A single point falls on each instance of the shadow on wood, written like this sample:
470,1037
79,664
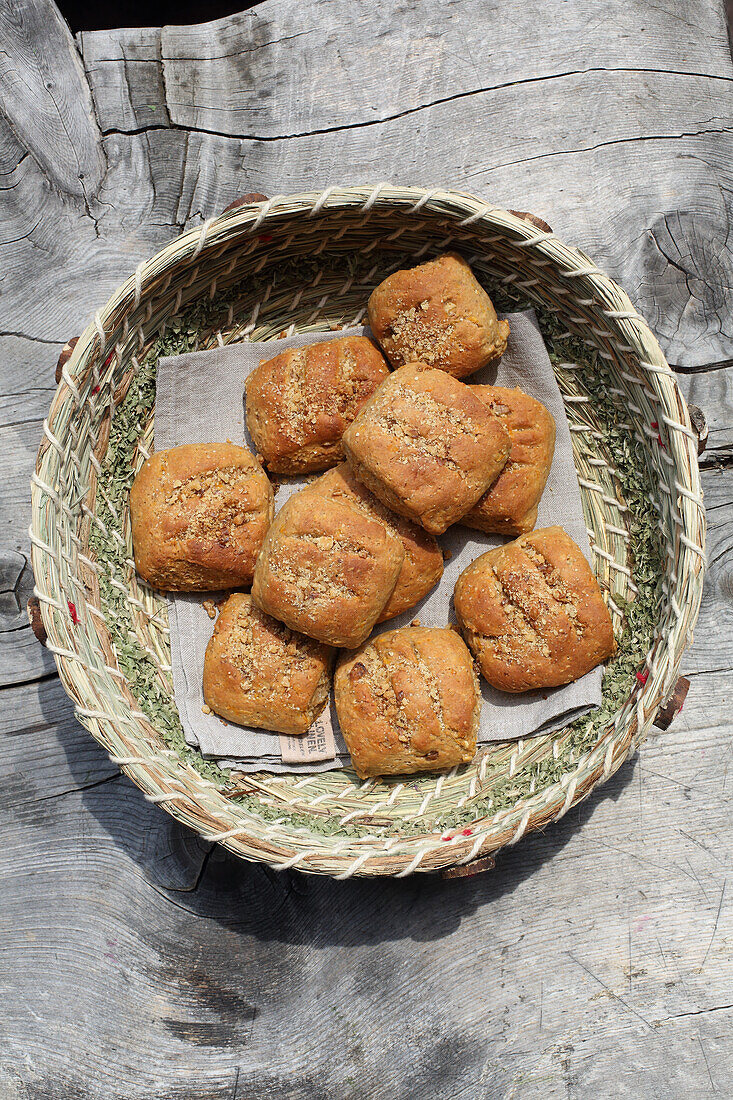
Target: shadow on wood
292,908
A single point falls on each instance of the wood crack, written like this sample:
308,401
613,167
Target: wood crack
82,787
34,339
161,65
720,364
31,680
224,56
199,875
698,1012
408,111
604,144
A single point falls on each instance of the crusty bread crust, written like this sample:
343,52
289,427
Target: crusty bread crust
437,313
299,402
199,514
327,570
426,446
408,701
259,673
423,565
509,506
533,614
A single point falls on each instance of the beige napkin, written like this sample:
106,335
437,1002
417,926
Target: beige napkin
199,399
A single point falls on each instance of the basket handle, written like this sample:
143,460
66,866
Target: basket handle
669,710
65,356
699,426
538,223
33,608
468,870
243,200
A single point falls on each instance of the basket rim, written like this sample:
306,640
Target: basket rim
169,781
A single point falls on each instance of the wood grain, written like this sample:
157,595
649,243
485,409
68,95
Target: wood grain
617,112
215,965
45,97
138,963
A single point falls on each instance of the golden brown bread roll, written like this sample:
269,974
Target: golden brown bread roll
259,673
509,506
408,701
437,314
533,614
199,515
426,446
423,565
327,570
299,403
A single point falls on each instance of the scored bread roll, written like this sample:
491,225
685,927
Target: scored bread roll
426,446
259,673
299,402
326,570
509,505
199,514
423,565
533,614
438,314
408,701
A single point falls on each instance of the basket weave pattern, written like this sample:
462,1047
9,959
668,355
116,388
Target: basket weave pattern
253,258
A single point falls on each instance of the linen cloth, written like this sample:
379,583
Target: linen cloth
200,399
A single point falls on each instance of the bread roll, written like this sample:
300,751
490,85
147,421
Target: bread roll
426,446
423,565
533,614
509,506
408,701
259,673
437,314
299,403
327,570
199,514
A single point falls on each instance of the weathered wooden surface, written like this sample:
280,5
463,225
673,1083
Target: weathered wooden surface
135,962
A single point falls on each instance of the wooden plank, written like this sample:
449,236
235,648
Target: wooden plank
595,960
61,258
28,385
618,169
45,97
125,72
177,180
371,62
216,965
616,157
47,753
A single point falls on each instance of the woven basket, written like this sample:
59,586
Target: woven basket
309,262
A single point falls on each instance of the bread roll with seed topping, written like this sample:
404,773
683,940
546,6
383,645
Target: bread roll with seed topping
299,403
423,565
327,570
509,506
408,701
259,673
199,514
437,314
533,614
426,446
